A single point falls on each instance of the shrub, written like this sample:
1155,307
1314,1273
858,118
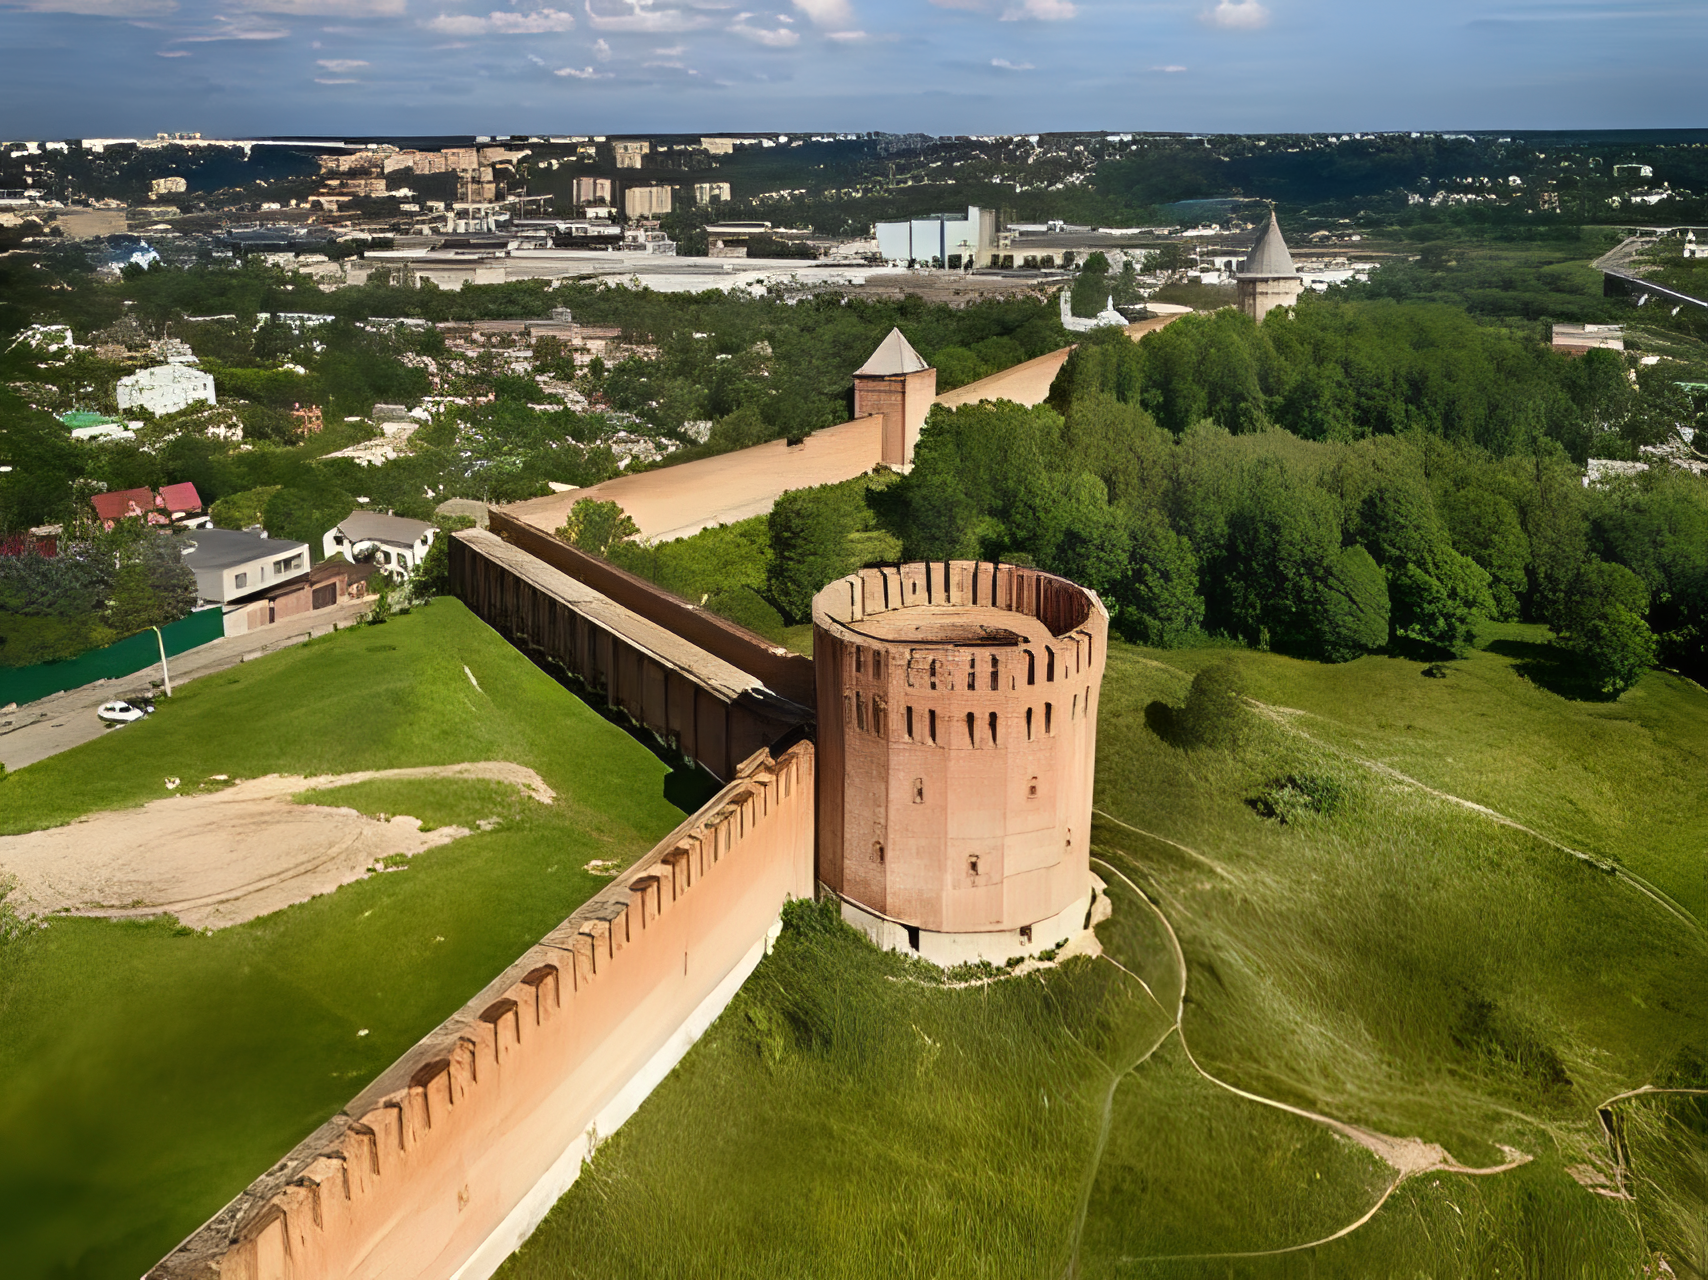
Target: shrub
1300,795
1215,713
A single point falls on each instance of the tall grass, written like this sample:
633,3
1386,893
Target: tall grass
1400,962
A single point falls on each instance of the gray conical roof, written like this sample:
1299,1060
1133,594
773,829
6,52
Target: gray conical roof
1269,256
894,356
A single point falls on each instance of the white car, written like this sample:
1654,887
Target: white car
121,712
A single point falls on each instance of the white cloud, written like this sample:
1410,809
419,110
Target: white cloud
780,38
171,53
1041,10
236,29
640,15
500,22
582,73
1171,68
1246,15
827,13
1019,11
672,51
846,35
340,64
1006,65
601,50
331,80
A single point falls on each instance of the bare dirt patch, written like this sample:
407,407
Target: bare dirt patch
223,857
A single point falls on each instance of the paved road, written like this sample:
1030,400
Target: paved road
50,725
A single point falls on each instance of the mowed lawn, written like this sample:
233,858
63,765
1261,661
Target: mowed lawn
151,1072
1406,964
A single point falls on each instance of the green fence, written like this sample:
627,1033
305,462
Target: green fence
123,658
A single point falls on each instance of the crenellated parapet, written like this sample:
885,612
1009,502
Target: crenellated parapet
448,1160
957,732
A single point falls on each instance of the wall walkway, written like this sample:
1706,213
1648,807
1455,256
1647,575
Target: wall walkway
714,711
447,1162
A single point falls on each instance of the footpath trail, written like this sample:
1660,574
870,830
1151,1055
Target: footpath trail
1407,1157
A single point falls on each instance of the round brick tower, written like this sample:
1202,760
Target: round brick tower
957,739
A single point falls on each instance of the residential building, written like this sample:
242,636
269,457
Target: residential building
165,187
233,564
719,146
645,237
943,239
178,504
646,202
630,155
165,389
707,192
328,584
396,544
1691,248
590,190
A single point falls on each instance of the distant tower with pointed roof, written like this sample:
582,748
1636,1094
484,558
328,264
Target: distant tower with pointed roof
1267,278
897,385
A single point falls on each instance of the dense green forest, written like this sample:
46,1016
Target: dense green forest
1356,477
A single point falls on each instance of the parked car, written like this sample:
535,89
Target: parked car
122,712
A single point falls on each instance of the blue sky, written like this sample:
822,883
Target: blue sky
72,68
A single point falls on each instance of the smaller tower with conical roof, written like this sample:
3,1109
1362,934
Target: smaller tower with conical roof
899,386
1267,278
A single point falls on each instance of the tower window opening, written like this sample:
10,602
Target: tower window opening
919,790
877,665
934,673
1048,709
910,724
1028,724
932,725
1025,933
1031,667
878,716
1049,664
1073,708
1031,788
859,659
993,728
916,588
995,669
972,672
972,864
972,730
913,929
878,852
859,711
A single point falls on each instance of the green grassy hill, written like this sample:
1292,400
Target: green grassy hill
1408,964
152,1071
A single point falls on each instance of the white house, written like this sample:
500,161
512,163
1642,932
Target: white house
395,543
166,388
230,564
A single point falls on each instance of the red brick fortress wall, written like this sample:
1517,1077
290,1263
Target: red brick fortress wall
957,733
444,1164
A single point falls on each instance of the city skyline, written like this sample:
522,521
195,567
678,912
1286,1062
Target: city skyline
121,67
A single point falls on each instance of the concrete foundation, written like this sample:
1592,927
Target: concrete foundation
949,949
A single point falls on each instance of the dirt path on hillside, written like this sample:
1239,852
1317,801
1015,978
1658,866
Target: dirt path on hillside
220,857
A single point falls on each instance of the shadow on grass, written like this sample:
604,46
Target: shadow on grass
687,786
1556,669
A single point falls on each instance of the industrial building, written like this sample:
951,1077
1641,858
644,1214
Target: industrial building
944,239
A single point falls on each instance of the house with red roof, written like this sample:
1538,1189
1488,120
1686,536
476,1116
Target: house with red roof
177,504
